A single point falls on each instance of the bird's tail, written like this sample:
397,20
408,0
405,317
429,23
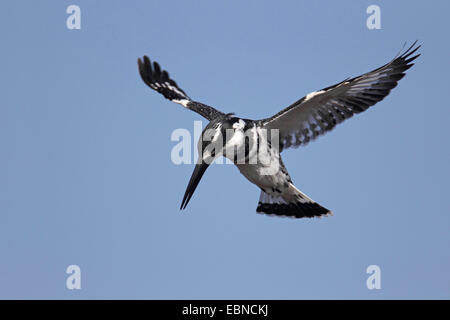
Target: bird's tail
290,203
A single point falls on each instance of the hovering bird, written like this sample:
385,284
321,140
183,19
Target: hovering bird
260,142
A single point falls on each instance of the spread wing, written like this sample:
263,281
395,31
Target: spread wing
160,81
320,111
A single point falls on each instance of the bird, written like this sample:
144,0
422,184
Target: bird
255,146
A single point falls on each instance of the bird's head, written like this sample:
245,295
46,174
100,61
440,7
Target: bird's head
218,137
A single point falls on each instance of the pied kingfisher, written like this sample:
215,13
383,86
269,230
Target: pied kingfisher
296,125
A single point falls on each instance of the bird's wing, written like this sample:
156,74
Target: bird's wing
320,111
160,81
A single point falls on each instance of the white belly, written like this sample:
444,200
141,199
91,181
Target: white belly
270,183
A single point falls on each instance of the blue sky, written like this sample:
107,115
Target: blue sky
86,177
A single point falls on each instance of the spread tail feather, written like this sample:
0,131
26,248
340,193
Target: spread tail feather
300,206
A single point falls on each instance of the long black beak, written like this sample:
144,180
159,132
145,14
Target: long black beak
199,170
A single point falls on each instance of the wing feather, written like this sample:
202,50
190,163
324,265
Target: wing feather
320,111
160,81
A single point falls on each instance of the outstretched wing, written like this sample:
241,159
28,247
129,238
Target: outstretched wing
160,81
320,111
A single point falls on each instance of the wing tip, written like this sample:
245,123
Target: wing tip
158,79
408,52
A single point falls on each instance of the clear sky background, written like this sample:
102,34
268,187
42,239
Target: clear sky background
86,176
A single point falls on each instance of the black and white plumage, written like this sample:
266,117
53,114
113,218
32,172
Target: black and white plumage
159,80
250,143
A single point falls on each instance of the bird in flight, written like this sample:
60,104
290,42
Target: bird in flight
254,146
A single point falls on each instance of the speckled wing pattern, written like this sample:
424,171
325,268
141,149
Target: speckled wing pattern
320,111
160,81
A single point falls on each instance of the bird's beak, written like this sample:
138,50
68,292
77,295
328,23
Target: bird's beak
199,170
